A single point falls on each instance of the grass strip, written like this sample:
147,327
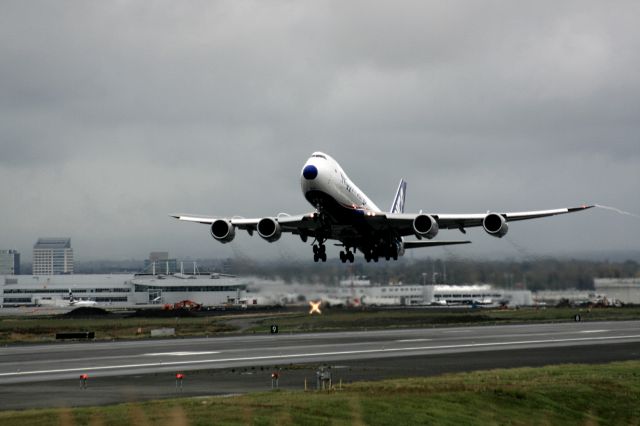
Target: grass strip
607,394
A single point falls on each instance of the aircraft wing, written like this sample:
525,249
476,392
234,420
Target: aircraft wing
294,224
403,223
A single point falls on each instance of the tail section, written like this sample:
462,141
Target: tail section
398,202
71,299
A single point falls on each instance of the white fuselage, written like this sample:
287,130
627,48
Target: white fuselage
324,182
83,303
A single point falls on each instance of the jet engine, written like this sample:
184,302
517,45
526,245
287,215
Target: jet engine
495,225
223,231
269,229
425,226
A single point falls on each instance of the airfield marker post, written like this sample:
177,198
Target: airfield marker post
83,381
179,378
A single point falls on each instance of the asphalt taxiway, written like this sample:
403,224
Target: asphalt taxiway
47,375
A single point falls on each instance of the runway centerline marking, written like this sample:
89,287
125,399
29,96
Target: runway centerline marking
308,355
182,353
413,340
594,331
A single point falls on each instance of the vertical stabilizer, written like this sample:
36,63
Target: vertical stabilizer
398,202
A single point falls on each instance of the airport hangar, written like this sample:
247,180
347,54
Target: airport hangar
121,290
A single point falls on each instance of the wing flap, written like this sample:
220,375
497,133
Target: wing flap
431,243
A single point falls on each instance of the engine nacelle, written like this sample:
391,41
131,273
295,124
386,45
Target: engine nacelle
495,225
269,229
223,231
425,226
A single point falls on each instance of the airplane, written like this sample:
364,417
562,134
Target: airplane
62,303
345,214
80,302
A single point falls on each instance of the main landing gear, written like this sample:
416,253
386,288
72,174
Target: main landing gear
371,255
347,256
319,252
377,252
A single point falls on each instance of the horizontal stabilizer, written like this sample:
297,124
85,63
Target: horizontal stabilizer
418,244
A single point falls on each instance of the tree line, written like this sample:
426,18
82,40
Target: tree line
540,274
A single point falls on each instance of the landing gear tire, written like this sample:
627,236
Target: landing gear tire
319,252
346,256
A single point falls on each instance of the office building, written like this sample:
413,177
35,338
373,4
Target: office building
52,256
9,262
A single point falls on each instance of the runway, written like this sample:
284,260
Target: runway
145,369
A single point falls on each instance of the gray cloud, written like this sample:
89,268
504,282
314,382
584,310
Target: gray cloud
115,114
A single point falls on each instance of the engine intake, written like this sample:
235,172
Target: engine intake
425,226
495,225
269,229
223,231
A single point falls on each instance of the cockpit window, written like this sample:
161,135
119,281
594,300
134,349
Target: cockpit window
319,156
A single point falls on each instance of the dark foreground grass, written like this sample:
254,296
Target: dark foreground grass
558,395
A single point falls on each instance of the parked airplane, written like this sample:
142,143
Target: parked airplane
80,302
344,213
62,303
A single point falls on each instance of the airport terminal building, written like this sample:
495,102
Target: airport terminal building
121,291
441,294
626,290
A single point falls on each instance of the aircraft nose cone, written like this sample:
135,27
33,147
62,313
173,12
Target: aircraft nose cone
310,172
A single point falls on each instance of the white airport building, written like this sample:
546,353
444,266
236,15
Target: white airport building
121,290
361,291
625,290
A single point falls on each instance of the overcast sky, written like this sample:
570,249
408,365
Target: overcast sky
114,114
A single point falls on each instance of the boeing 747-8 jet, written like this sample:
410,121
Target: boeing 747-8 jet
345,214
